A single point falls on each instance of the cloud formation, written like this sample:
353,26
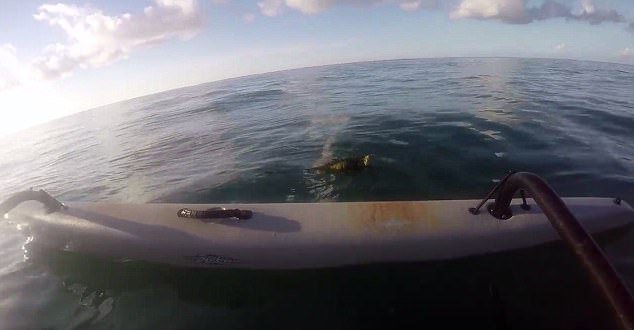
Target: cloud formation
507,11
626,54
417,4
96,39
9,67
519,12
310,7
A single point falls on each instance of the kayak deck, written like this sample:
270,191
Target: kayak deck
304,235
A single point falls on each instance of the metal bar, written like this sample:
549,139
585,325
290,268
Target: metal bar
476,210
575,237
525,205
42,196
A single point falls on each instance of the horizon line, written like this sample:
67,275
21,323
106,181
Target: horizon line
301,68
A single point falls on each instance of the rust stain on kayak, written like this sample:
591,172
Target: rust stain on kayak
393,216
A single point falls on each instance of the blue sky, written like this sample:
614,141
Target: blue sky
60,58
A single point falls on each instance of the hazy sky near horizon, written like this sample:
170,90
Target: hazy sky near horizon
60,58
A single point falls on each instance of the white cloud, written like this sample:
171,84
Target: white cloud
311,7
508,11
560,47
587,6
519,12
594,15
626,54
505,10
411,5
271,8
9,67
96,39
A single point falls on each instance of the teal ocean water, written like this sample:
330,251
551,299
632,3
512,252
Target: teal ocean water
439,129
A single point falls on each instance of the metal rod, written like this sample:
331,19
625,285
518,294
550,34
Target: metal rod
42,196
525,205
591,257
476,210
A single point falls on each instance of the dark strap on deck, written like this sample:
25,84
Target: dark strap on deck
214,214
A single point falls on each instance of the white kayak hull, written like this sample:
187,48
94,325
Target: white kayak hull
303,235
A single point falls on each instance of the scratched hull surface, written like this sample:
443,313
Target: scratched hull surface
304,235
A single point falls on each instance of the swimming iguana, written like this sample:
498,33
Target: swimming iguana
345,165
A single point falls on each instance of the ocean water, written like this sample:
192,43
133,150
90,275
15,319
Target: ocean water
438,128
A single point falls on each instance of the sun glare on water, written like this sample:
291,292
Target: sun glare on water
26,106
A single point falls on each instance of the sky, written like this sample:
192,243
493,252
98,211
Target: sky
58,58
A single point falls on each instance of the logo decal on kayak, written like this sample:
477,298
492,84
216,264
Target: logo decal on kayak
211,259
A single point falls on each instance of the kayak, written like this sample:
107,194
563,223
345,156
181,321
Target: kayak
301,235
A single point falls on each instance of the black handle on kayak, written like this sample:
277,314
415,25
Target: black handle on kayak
215,214
574,235
41,196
